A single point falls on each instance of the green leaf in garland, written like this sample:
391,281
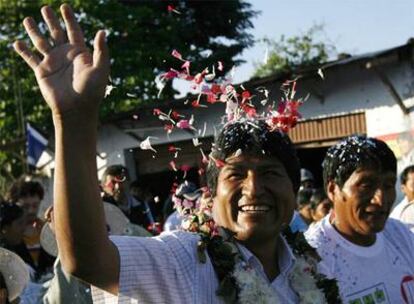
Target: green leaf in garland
201,252
228,290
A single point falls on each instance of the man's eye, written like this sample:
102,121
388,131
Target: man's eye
366,185
234,175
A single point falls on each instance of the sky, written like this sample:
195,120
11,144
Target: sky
353,26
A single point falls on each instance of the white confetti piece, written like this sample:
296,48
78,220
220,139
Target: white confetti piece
108,90
320,73
146,144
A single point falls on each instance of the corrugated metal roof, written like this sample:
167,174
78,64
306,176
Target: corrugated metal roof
323,131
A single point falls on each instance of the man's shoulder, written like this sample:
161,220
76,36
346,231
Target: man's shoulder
396,231
169,240
316,234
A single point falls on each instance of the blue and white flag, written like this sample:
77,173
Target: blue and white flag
36,144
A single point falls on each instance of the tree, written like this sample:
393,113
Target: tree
141,37
298,52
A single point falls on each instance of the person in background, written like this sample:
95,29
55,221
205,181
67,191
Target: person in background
12,226
307,181
405,143
302,217
404,211
28,195
116,188
320,204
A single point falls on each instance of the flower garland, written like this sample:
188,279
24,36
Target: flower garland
238,282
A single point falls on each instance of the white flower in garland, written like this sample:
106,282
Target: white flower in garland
254,289
304,284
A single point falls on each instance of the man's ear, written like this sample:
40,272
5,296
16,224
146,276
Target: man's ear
331,190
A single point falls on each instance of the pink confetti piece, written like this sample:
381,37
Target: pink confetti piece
196,104
173,165
186,66
177,55
171,8
170,74
220,66
200,76
185,168
184,124
219,163
175,115
173,149
135,116
168,128
204,158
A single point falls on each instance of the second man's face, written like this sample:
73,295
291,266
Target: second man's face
364,202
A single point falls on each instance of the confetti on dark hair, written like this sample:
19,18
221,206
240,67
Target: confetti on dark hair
355,152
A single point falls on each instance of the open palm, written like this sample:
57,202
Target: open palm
70,77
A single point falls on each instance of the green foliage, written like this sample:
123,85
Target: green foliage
142,35
298,52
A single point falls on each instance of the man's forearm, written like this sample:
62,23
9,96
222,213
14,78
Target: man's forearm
79,215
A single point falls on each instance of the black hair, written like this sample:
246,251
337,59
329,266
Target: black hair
21,188
253,137
404,174
357,151
115,170
304,197
9,212
318,196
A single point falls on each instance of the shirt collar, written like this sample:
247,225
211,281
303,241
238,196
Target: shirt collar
285,254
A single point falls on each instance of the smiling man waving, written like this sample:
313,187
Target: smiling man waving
253,176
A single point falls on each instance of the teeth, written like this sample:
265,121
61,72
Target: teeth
255,208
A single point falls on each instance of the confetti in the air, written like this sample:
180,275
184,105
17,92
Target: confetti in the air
171,8
108,90
266,56
146,144
320,73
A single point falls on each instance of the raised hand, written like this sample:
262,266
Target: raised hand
70,77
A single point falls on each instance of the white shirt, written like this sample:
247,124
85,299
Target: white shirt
381,273
404,212
165,269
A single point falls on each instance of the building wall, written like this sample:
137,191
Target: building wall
113,148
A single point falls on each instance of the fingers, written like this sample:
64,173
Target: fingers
75,34
100,51
38,40
56,31
31,59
